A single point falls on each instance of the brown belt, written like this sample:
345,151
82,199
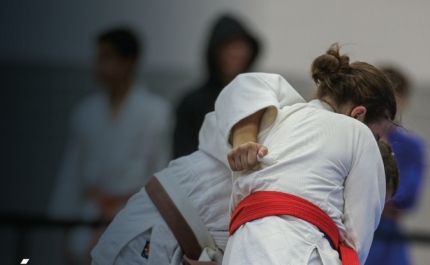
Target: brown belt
178,225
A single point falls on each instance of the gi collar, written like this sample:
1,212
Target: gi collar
321,104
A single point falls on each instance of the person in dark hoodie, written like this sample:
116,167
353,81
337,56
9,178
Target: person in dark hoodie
231,51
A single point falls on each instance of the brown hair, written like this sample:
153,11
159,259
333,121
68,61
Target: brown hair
390,166
398,79
358,83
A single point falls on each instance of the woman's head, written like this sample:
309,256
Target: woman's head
398,79
401,85
391,170
354,84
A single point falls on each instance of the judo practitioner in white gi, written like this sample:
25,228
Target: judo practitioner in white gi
118,138
126,237
315,152
205,179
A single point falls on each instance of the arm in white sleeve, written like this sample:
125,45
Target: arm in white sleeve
211,141
249,93
364,193
245,95
67,199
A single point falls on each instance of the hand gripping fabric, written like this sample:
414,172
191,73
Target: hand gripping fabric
183,220
255,206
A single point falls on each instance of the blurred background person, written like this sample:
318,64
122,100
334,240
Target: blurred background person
231,50
409,150
118,138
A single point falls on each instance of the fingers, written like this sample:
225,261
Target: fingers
244,156
238,161
262,152
230,159
252,158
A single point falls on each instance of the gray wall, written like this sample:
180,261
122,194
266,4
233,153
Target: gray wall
295,32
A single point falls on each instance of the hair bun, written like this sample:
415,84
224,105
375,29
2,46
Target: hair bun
329,64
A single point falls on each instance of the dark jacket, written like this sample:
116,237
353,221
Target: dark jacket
195,105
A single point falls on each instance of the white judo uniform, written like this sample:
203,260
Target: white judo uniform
114,156
326,158
205,179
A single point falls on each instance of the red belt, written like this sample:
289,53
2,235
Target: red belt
269,203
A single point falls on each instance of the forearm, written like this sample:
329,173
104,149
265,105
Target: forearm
251,92
247,129
244,139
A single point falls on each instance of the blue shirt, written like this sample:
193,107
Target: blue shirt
409,151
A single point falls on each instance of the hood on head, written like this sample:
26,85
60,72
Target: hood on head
224,28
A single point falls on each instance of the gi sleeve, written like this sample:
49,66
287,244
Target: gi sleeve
245,95
364,193
67,198
249,93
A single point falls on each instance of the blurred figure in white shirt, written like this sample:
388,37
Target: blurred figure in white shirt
118,138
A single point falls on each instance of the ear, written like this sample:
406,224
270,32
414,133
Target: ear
359,113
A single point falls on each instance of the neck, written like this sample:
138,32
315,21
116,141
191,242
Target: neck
342,109
117,94
330,102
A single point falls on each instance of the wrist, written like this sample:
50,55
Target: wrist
246,130
242,139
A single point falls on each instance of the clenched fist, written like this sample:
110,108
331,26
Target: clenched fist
245,155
